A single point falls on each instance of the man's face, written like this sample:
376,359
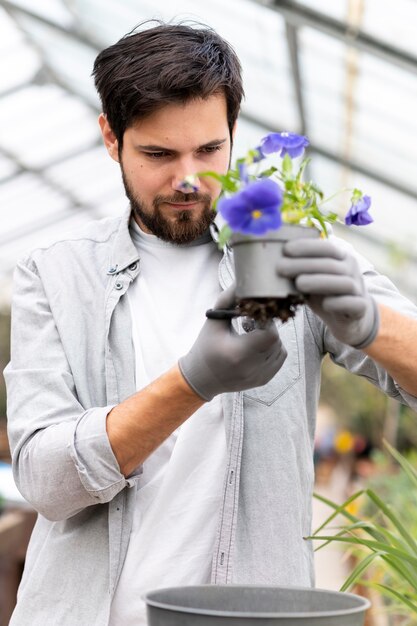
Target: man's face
159,151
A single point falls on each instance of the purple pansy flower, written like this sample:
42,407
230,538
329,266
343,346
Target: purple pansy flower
358,213
189,184
255,209
284,143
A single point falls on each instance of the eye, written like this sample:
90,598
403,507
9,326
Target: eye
156,155
211,149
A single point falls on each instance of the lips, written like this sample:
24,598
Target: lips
183,206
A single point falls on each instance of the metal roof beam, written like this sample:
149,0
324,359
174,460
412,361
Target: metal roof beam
292,42
297,14
75,33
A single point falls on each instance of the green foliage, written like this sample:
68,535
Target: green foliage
382,535
229,181
302,201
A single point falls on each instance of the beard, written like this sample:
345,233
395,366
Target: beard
184,227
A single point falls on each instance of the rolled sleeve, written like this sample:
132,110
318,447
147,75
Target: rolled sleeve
103,479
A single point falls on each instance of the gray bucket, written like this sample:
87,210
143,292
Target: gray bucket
251,605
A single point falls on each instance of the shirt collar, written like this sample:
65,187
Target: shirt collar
124,251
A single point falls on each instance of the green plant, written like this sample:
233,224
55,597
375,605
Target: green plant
259,198
383,537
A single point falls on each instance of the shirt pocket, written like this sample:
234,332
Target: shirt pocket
289,373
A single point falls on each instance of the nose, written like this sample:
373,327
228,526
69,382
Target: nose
189,184
185,178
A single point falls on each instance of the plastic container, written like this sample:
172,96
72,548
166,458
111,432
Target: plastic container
255,262
250,605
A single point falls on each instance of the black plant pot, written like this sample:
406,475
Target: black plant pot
261,293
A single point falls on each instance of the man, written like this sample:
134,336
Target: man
159,448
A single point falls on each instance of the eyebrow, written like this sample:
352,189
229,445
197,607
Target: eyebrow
154,148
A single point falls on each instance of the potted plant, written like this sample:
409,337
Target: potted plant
264,206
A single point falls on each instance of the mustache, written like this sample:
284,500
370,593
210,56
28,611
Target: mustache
179,197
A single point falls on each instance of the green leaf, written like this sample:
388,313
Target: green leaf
317,190
330,217
251,156
314,212
228,184
390,592
359,569
393,518
267,173
404,570
406,466
338,509
356,195
286,165
376,532
224,236
372,545
303,165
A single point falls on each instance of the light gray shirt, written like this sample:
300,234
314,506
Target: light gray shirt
72,360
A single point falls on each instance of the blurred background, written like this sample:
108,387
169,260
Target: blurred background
342,72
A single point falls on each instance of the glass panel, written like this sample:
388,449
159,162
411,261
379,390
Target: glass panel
19,62
392,21
390,241
247,137
7,168
360,107
332,8
92,178
26,201
385,99
323,81
70,60
52,127
53,10
394,213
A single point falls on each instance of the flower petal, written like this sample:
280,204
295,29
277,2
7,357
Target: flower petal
271,143
255,209
358,214
262,193
285,143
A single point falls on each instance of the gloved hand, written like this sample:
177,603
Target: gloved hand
336,291
222,360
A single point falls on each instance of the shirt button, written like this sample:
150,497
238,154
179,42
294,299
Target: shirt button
133,267
112,270
118,285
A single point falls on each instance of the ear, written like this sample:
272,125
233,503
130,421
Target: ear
109,137
234,131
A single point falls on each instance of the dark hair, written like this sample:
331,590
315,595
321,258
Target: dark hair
161,65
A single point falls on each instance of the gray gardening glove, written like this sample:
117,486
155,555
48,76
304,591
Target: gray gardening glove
222,360
332,279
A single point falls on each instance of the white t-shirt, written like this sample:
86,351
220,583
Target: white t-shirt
179,492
